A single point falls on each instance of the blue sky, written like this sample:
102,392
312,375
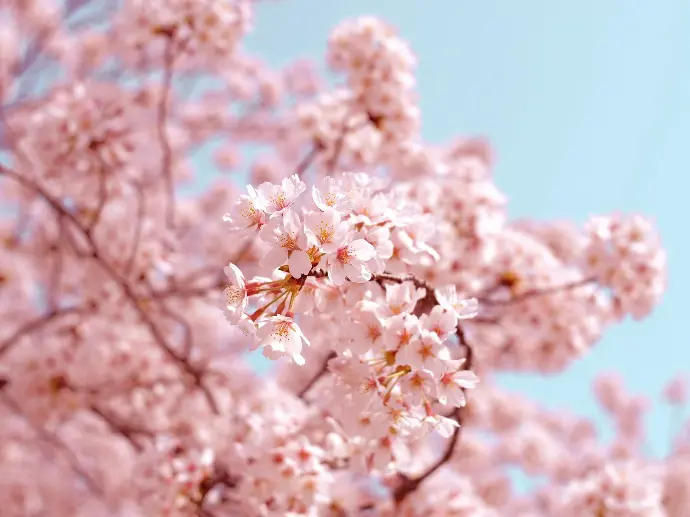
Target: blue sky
588,106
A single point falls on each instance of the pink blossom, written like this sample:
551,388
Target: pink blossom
277,199
289,244
281,336
126,392
326,229
235,294
453,383
462,308
348,261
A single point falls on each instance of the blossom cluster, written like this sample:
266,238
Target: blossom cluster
372,117
349,232
380,297
208,30
392,364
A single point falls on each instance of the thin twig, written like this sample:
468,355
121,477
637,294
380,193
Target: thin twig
409,485
166,161
319,374
123,284
532,293
58,444
34,325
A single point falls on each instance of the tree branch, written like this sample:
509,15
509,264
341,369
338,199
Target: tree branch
162,117
323,370
122,283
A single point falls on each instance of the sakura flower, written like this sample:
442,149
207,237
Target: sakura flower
281,336
462,308
400,330
426,350
415,237
444,426
277,199
451,385
439,321
329,194
419,386
247,215
379,238
326,229
235,294
349,262
289,242
367,334
401,298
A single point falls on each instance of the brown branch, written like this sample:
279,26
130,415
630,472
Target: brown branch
57,443
141,212
338,149
128,432
122,283
323,370
57,266
304,164
102,199
532,293
162,117
34,325
409,485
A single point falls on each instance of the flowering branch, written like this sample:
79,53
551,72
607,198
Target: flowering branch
161,121
532,293
123,284
107,329
323,370
57,443
408,485
35,325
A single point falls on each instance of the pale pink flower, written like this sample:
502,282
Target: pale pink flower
326,229
452,384
280,336
419,386
401,298
462,308
367,333
444,426
277,199
349,262
330,194
379,238
424,351
440,321
235,294
400,330
247,215
289,243
676,391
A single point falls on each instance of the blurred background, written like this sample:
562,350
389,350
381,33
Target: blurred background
587,105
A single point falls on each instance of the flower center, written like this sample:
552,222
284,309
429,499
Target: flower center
324,232
234,295
282,329
331,199
278,201
344,256
289,241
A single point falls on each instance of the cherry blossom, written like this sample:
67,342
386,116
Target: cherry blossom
281,336
379,274
289,244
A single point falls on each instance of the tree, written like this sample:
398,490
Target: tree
379,271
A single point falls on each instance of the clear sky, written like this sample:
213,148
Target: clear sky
588,106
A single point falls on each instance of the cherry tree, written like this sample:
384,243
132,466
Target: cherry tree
379,272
